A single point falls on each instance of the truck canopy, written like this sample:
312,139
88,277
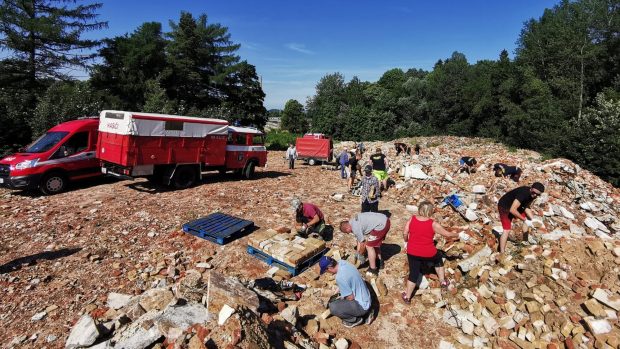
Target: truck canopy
147,124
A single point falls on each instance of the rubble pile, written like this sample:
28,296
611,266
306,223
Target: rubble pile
107,264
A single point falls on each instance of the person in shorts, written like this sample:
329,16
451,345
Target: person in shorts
380,165
467,164
353,303
354,168
419,236
370,191
370,229
516,204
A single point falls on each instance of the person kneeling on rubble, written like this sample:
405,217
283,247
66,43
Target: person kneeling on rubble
418,235
353,305
516,204
370,229
308,218
503,170
466,164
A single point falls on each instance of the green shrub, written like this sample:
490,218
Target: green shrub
279,140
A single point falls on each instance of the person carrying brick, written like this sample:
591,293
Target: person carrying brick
308,218
516,204
370,191
353,302
369,229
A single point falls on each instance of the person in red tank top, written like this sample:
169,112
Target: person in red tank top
418,235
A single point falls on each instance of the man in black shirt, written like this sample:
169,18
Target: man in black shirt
503,170
355,167
516,204
379,167
467,163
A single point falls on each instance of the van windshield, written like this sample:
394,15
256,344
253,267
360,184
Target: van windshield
46,142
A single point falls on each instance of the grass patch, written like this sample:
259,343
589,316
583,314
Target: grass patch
512,148
279,140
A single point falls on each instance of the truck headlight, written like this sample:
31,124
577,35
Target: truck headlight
26,164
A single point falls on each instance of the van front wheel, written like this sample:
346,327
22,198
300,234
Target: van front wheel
53,183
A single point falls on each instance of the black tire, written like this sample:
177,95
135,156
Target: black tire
184,177
53,183
248,173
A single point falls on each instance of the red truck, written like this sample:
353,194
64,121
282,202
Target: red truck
175,150
315,148
65,153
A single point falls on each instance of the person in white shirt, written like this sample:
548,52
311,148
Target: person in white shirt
291,155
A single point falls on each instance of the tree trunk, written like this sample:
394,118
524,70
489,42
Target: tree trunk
581,78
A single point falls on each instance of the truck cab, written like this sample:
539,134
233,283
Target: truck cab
245,150
64,153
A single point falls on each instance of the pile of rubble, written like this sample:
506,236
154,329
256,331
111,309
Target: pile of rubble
107,265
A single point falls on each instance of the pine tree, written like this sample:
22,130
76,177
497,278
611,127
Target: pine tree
47,36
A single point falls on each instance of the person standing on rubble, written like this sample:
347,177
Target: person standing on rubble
380,164
354,168
418,236
370,191
291,155
308,218
417,149
370,229
353,304
466,164
516,204
503,170
343,160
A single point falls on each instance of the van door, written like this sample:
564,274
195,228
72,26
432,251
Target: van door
76,156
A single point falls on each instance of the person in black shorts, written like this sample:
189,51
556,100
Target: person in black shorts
503,170
516,204
355,168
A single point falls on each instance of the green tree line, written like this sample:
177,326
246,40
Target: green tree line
560,95
193,69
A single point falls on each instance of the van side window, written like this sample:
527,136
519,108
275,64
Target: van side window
173,126
258,139
77,143
240,139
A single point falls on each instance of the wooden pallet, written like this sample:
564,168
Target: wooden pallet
294,270
219,228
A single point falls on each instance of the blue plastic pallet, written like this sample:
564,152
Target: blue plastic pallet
291,269
218,227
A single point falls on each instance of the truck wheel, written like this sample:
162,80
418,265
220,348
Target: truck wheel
249,171
311,162
222,172
53,183
184,177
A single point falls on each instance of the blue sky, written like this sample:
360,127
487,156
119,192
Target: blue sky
294,43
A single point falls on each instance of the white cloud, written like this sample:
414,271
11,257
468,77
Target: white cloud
301,48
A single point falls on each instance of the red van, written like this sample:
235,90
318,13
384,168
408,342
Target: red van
64,153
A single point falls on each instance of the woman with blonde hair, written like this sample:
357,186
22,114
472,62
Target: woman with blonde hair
418,235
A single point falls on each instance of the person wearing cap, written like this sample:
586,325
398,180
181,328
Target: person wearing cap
380,165
419,236
516,204
370,229
503,170
343,160
466,164
370,191
308,218
353,304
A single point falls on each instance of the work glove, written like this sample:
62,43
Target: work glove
360,258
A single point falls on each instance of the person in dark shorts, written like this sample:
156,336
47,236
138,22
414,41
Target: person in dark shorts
418,235
503,170
308,218
516,204
380,165
467,164
370,229
417,149
370,191
355,168
353,304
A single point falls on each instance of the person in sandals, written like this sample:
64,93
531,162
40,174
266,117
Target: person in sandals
418,235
